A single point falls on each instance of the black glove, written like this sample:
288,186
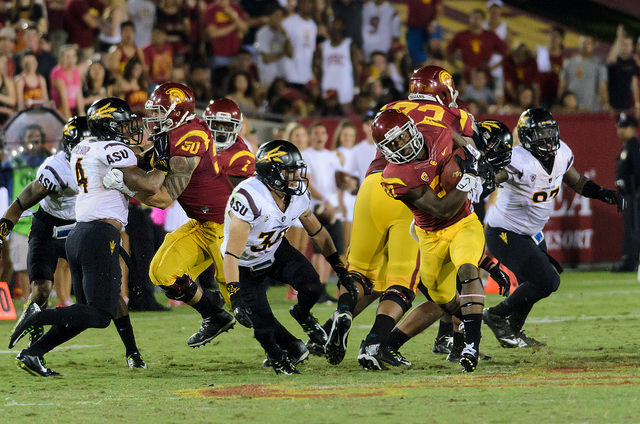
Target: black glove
5,228
145,161
492,266
613,197
469,165
161,152
345,280
240,308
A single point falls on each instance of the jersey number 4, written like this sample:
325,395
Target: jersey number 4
81,179
267,242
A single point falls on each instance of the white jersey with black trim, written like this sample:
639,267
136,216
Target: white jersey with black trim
251,201
90,161
525,200
55,175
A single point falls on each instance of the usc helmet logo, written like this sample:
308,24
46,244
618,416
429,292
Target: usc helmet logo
445,78
176,95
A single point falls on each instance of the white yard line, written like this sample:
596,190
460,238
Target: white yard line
58,348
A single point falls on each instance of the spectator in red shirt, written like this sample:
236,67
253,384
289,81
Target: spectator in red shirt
520,69
476,45
82,21
550,60
225,25
125,50
420,14
159,56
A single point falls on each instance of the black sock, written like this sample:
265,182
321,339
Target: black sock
346,303
396,339
458,341
445,329
78,315
125,330
381,328
206,306
282,335
519,316
472,324
57,335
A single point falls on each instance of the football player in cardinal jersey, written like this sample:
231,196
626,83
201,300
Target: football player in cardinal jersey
185,150
259,212
450,237
514,235
224,119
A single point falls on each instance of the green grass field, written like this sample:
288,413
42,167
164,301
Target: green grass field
589,373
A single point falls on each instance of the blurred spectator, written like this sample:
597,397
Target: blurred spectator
550,60
500,28
55,24
226,24
8,98
361,102
271,47
7,44
33,44
171,16
313,97
243,62
350,11
23,13
143,13
97,84
336,70
66,84
586,76
82,21
330,105
158,56
568,103
344,140
322,16
132,86
302,31
420,14
525,98
520,68
400,66
31,87
200,81
258,16
125,50
110,28
380,27
381,69
179,73
476,45
623,74
478,91
240,90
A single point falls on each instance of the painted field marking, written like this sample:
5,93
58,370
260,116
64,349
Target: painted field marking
57,348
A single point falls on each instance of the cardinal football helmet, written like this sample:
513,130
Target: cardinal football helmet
495,142
169,106
224,119
110,118
387,128
74,131
280,166
433,83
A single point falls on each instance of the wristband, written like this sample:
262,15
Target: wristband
5,228
233,288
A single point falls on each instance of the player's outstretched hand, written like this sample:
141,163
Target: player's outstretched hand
614,197
502,279
240,309
114,180
345,280
161,152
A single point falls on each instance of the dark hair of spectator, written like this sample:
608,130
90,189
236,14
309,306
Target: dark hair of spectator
558,29
29,127
479,11
15,11
92,85
126,24
338,134
231,86
316,124
127,73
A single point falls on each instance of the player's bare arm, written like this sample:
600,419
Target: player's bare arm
425,199
144,183
32,194
319,235
584,186
501,176
174,184
236,179
238,236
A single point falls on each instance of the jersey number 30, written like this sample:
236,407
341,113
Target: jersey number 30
267,242
81,179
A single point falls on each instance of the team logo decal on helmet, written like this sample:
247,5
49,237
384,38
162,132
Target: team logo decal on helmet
105,111
445,78
68,127
176,95
273,155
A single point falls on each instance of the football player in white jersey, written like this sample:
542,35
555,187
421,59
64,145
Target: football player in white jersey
92,246
514,225
259,212
55,189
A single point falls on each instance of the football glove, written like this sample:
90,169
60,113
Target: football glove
114,180
145,161
492,266
239,307
614,197
344,279
161,152
5,228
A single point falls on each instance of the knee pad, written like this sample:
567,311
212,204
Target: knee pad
182,289
366,284
400,295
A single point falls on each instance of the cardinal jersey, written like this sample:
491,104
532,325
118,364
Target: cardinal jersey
55,175
525,201
205,196
90,161
251,201
427,113
237,160
397,180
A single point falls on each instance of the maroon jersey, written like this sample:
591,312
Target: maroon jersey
476,49
237,160
425,112
420,13
397,180
205,197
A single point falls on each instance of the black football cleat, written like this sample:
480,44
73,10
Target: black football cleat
469,358
400,359
282,365
35,332
296,351
135,360
210,328
501,329
442,345
526,341
377,357
34,365
317,335
336,346
26,320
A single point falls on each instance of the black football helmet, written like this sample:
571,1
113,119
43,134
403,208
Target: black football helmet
280,166
111,118
539,134
495,141
74,131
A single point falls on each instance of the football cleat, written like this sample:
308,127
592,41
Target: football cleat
35,332
210,328
399,357
526,341
283,365
27,319
469,358
377,357
336,346
297,352
442,345
501,329
34,365
317,335
135,360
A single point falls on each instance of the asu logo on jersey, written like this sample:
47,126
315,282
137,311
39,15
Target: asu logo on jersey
103,112
176,95
273,155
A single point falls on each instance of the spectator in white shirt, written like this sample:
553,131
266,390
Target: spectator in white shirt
302,31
